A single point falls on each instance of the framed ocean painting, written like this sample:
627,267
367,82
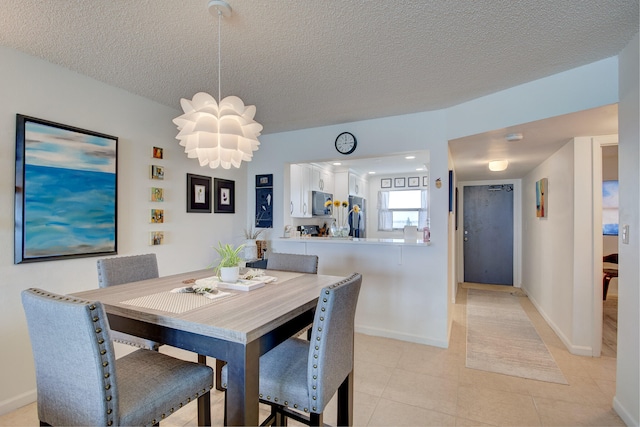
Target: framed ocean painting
66,192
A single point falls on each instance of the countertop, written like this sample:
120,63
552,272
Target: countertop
367,241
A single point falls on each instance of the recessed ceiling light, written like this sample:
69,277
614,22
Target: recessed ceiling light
372,173
337,164
498,165
419,169
410,157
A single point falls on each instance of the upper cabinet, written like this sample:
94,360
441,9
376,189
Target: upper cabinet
321,179
357,185
300,186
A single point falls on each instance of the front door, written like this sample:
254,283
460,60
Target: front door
488,234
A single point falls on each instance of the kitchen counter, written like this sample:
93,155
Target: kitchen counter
403,295
351,240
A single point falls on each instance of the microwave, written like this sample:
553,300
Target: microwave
318,199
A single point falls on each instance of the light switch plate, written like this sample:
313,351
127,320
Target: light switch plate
625,234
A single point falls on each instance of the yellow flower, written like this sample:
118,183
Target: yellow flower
356,208
336,203
328,203
345,204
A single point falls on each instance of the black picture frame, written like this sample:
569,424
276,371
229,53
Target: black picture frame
450,190
399,182
385,183
456,208
66,192
225,199
425,181
198,193
264,180
413,181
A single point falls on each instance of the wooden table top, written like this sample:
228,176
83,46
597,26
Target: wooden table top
241,317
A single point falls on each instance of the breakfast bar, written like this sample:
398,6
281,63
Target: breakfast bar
402,296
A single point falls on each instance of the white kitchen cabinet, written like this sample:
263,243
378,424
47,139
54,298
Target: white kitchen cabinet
357,185
321,179
300,186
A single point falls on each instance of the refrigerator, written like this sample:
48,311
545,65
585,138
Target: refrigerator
357,222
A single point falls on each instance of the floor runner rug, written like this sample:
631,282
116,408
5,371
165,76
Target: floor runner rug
502,339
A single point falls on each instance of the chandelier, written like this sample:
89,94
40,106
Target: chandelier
222,134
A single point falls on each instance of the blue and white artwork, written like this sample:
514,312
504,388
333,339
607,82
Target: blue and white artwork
610,208
69,192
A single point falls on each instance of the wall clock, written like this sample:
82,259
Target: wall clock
346,143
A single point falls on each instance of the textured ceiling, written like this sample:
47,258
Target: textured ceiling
307,63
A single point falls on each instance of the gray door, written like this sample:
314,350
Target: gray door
488,234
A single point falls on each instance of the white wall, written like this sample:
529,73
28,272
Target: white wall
39,89
627,400
547,252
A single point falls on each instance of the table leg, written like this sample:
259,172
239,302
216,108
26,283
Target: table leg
243,364
345,401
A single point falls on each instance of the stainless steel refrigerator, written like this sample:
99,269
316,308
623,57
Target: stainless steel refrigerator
357,222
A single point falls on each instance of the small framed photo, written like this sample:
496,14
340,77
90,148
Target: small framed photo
224,196
158,153
157,216
156,238
157,194
414,181
157,172
425,181
198,193
385,183
264,181
399,182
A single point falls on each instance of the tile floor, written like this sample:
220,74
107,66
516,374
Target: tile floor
404,384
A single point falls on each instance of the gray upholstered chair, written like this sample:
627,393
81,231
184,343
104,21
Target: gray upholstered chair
293,262
126,269
283,262
80,382
304,375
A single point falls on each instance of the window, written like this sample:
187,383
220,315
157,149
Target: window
397,208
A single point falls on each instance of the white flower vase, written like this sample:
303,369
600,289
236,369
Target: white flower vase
250,250
229,274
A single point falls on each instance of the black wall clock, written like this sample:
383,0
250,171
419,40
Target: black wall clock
346,143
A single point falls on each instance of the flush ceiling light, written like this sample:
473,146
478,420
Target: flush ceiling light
512,137
498,165
218,135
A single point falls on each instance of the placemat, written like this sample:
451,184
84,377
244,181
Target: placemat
174,302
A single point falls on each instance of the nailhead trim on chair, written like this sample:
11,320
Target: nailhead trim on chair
108,371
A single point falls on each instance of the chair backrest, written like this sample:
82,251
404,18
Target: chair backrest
331,344
611,258
293,262
116,271
74,359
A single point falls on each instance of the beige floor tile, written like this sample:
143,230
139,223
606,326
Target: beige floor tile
580,390
463,422
476,378
559,413
363,407
389,413
496,407
370,378
382,351
425,391
25,416
432,361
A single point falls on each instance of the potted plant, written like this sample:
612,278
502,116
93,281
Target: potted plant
228,268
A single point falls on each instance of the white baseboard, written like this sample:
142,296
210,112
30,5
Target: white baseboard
624,414
400,336
17,402
572,348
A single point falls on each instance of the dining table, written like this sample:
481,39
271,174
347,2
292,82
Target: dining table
237,326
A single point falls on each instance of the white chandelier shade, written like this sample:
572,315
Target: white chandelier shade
218,135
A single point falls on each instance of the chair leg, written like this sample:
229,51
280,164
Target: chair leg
204,409
219,365
605,286
315,419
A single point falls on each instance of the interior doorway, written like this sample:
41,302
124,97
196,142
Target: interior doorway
488,234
